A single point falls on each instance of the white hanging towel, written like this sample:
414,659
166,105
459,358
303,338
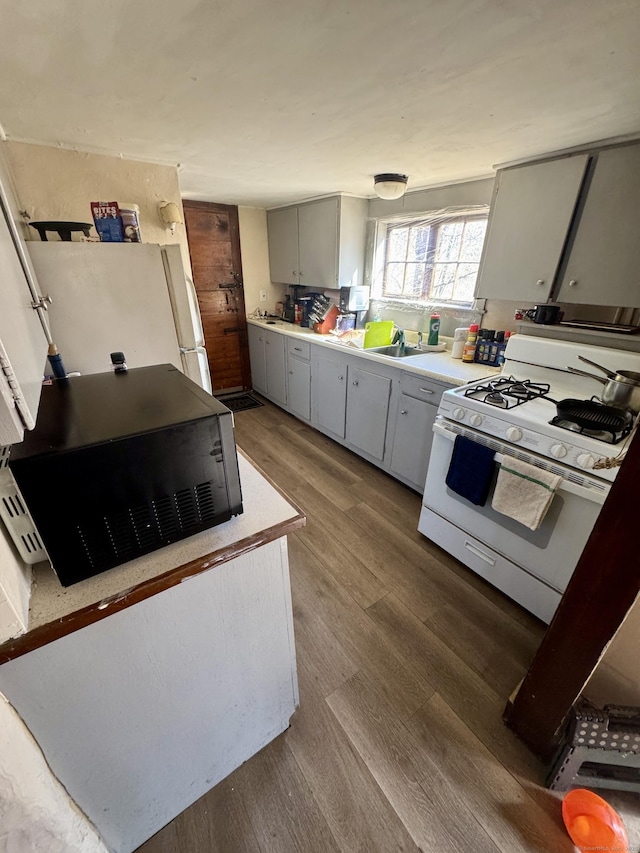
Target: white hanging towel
524,492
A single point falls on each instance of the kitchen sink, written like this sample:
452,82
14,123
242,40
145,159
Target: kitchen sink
394,351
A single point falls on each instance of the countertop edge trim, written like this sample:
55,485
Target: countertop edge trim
51,631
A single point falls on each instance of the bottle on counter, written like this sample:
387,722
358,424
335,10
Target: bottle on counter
434,329
497,345
501,348
483,344
469,349
459,337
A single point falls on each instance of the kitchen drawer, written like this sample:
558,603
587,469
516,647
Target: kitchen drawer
421,388
299,349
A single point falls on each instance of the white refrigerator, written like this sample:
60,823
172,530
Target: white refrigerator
135,298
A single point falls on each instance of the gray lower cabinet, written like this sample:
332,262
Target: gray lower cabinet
413,433
276,367
268,364
412,440
257,358
367,411
299,390
381,412
330,394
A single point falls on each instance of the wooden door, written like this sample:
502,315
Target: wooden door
214,247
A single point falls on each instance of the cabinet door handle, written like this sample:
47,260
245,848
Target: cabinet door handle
298,349
300,273
268,343
355,381
403,411
427,391
340,378
573,282
291,373
540,282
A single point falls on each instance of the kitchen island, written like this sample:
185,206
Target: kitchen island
148,684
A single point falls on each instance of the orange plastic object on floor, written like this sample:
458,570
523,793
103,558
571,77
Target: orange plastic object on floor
592,824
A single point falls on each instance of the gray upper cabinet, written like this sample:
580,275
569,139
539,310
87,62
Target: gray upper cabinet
282,225
531,213
319,244
603,262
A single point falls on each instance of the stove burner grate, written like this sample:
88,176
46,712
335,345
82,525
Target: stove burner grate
593,419
507,392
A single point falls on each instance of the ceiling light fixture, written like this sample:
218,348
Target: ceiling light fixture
390,186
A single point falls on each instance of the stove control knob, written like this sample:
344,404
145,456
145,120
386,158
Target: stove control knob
475,420
458,414
586,460
514,434
558,451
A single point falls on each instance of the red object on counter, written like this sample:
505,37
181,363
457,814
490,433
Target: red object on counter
328,324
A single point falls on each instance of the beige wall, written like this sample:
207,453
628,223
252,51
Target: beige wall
255,261
59,184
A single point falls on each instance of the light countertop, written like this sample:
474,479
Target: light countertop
435,365
56,610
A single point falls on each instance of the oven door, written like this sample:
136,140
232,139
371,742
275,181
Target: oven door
549,553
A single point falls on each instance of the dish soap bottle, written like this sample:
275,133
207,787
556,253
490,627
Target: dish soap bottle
469,351
434,330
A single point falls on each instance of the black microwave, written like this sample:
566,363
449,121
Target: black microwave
120,464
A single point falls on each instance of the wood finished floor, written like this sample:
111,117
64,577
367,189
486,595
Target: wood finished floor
405,662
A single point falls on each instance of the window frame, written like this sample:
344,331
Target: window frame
429,218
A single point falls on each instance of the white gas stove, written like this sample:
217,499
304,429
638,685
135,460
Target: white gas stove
512,414
518,407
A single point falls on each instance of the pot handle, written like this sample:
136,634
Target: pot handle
605,370
590,375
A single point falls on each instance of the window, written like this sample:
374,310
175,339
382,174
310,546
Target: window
433,260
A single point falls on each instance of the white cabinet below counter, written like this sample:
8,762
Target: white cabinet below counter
299,379
368,397
376,407
268,364
329,404
413,435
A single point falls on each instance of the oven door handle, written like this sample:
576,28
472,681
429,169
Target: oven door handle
598,497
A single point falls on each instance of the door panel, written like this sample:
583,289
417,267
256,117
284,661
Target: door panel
214,246
367,411
330,392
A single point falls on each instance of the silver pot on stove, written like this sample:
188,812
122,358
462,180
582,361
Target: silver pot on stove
621,389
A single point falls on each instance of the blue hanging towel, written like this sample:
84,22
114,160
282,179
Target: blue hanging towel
470,470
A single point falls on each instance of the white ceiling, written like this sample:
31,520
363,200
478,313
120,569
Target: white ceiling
267,101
